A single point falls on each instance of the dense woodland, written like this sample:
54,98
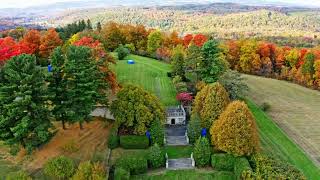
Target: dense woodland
255,23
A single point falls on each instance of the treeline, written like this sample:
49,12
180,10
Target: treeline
300,65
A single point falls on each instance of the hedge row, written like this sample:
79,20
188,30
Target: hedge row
222,162
242,168
133,164
113,141
134,142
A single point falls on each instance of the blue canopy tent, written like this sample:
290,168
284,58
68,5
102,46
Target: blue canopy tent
131,61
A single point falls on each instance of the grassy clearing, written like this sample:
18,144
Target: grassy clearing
149,73
275,142
294,108
175,152
188,174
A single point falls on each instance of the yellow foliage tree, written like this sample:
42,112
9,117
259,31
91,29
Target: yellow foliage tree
210,103
235,131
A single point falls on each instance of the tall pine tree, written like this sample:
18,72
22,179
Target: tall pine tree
83,81
58,86
24,115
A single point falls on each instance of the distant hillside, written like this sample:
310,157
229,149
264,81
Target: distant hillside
221,20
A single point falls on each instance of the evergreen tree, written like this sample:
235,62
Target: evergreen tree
82,25
57,86
89,25
83,81
99,27
24,117
213,64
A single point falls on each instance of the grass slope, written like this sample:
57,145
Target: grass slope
150,74
273,139
294,108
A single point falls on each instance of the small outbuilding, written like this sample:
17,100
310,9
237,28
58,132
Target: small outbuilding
176,115
130,61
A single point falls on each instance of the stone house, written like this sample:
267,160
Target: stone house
176,115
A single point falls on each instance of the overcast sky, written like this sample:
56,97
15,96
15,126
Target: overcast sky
27,3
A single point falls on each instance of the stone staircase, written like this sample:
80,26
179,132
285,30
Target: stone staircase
182,163
177,136
177,141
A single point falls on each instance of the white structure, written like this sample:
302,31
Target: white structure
176,115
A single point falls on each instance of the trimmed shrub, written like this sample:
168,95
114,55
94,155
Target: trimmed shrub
134,142
19,175
133,163
194,128
202,152
59,167
269,168
209,103
113,141
242,168
156,156
87,170
157,133
235,131
222,162
265,107
122,52
121,174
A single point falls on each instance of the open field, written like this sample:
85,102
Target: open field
150,74
296,110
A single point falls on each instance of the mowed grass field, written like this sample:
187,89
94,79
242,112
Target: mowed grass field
150,74
295,119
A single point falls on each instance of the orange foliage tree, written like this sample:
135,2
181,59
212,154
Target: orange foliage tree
210,103
49,42
235,131
32,39
199,40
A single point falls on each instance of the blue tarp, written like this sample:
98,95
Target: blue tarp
131,62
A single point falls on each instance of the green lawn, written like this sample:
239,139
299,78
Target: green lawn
175,152
187,174
275,142
149,73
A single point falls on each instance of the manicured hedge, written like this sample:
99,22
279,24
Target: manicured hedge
121,174
133,163
222,162
113,141
134,142
242,168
